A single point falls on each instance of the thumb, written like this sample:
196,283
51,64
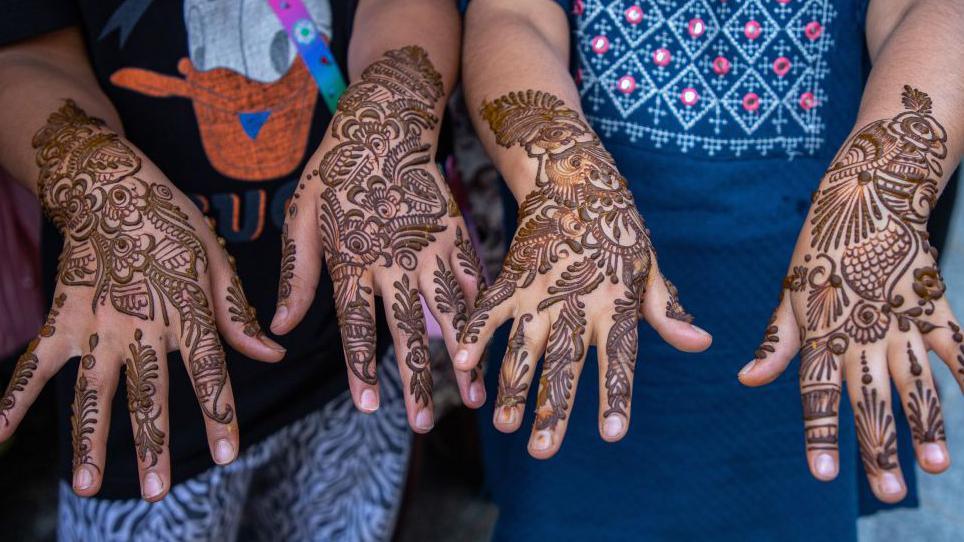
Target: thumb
781,341
300,266
661,308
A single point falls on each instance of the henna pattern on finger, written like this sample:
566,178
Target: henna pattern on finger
83,420
288,257
407,310
448,296
127,239
923,406
241,311
876,433
579,223
381,201
513,381
143,400
674,309
771,336
28,362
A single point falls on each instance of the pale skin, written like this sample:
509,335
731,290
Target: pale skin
433,27
915,44
514,46
38,75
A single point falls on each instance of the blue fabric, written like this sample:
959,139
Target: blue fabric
705,458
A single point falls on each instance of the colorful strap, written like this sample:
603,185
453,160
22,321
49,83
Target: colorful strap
312,48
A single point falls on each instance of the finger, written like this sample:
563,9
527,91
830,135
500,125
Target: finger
565,355
618,340
236,318
912,375
147,386
471,277
821,374
301,255
526,344
45,355
447,303
493,307
90,416
204,358
407,323
869,388
355,306
781,341
662,310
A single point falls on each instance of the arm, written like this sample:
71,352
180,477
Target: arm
373,205
864,290
581,269
141,273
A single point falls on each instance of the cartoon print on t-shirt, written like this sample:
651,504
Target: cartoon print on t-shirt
253,98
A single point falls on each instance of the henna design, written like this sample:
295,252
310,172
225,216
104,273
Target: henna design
674,309
448,295
468,259
28,362
513,385
380,199
142,372
923,406
580,217
407,310
241,311
288,255
771,336
127,240
84,410
876,433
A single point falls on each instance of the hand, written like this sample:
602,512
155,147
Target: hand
373,203
865,298
140,275
580,271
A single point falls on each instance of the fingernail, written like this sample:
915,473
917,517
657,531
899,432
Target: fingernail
223,452
152,485
476,393
423,420
747,368
825,465
507,415
462,357
368,400
543,441
83,479
280,315
934,454
613,426
889,484
265,340
699,330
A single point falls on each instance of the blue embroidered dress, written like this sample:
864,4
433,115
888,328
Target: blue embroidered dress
723,116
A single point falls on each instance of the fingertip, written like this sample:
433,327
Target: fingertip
541,444
759,372
367,400
613,428
507,419
683,336
934,457
279,322
824,466
224,451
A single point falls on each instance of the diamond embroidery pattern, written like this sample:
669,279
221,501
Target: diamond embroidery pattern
716,78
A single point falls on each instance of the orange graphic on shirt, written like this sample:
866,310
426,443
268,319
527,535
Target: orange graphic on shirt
250,130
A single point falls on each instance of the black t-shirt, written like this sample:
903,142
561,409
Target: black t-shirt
215,95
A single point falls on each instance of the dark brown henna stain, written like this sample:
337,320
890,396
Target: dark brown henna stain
876,433
820,402
469,259
83,420
621,345
448,296
407,310
674,309
923,406
127,240
513,385
241,311
142,400
771,336
288,256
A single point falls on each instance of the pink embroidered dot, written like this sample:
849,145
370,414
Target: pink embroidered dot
721,65
626,84
807,101
578,7
813,30
781,66
784,2
752,30
634,14
661,57
697,27
751,102
600,44
578,75
689,96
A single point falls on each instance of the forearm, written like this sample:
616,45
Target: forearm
922,50
510,47
35,79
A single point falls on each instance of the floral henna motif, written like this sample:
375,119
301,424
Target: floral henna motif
127,240
674,309
448,295
923,406
28,362
513,384
580,219
381,201
83,420
142,374
288,252
867,235
241,311
407,310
